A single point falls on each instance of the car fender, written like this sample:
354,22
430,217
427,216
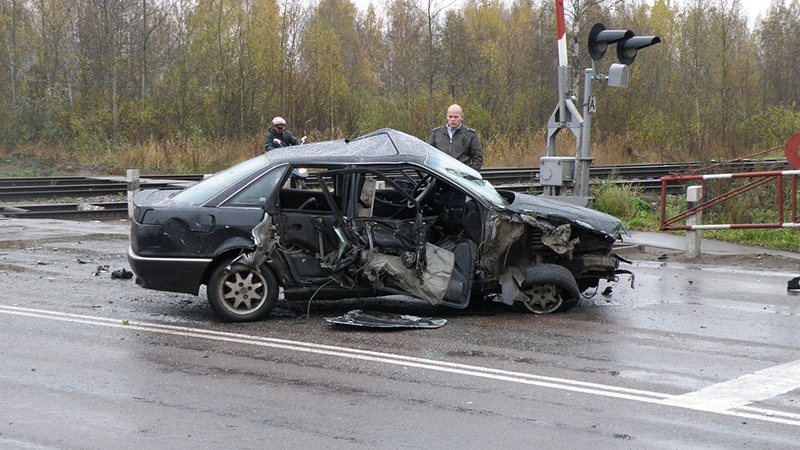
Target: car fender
229,249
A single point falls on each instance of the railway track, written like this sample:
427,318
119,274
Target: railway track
81,211
70,190
15,189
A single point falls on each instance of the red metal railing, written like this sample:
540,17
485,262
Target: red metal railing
758,179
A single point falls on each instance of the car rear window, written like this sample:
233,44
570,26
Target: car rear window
204,190
257,193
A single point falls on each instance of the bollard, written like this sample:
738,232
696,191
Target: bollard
133,189
694,195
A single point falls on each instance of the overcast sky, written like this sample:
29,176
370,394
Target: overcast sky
755,7
752,7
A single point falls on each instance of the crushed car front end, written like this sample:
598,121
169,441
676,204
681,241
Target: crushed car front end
546,253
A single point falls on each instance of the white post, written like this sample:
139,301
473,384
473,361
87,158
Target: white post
694,195
133,188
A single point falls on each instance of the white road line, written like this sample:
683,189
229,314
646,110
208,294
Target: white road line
352,353
741,391
769,412
687,401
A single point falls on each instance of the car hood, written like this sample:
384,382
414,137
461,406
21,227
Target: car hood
561,212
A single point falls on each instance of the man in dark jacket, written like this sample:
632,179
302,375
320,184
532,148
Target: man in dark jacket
458,140
278,131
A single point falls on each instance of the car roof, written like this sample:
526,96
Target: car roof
384,145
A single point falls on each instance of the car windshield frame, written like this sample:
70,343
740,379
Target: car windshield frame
466,177
206,189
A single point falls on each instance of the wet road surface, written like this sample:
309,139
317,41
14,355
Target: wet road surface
696,356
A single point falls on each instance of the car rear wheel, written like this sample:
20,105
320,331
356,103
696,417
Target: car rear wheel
550,288
241,294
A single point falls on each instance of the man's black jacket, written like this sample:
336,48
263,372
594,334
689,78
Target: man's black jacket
286,138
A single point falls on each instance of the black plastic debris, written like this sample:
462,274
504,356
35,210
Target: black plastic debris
122,274
794,284
375,319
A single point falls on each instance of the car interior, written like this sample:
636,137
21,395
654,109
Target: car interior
392,211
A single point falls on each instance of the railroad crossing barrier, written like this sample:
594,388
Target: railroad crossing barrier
696,202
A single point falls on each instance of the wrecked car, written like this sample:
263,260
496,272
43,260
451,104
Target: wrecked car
382,214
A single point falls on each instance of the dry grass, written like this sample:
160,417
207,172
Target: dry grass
186,156
196,154
525,151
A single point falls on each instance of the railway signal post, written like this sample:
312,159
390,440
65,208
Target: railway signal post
567,178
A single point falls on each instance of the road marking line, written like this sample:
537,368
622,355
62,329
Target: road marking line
769,412
331,350
736,409
744,390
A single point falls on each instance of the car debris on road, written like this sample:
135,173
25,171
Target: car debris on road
374,319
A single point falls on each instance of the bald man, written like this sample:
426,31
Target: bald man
458,140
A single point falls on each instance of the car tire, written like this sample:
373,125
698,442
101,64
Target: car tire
550,287
238,293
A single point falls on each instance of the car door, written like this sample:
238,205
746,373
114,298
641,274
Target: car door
305,224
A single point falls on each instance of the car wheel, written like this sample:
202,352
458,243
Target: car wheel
550,288
241,294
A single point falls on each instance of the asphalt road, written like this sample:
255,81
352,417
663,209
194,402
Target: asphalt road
696,356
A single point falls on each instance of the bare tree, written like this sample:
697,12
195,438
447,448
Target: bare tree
146,35
432,9
111,67
14,51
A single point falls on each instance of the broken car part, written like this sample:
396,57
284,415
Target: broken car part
374,319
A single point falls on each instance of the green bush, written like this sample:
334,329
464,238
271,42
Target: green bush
771,127
625,202
617,199
89,144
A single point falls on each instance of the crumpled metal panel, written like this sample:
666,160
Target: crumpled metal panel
558,240
555,238
388,271
502,234
507,228
510,281
560,212
263,237
374,319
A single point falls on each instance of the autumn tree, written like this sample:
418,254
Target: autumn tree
324,69
15,23
99,75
